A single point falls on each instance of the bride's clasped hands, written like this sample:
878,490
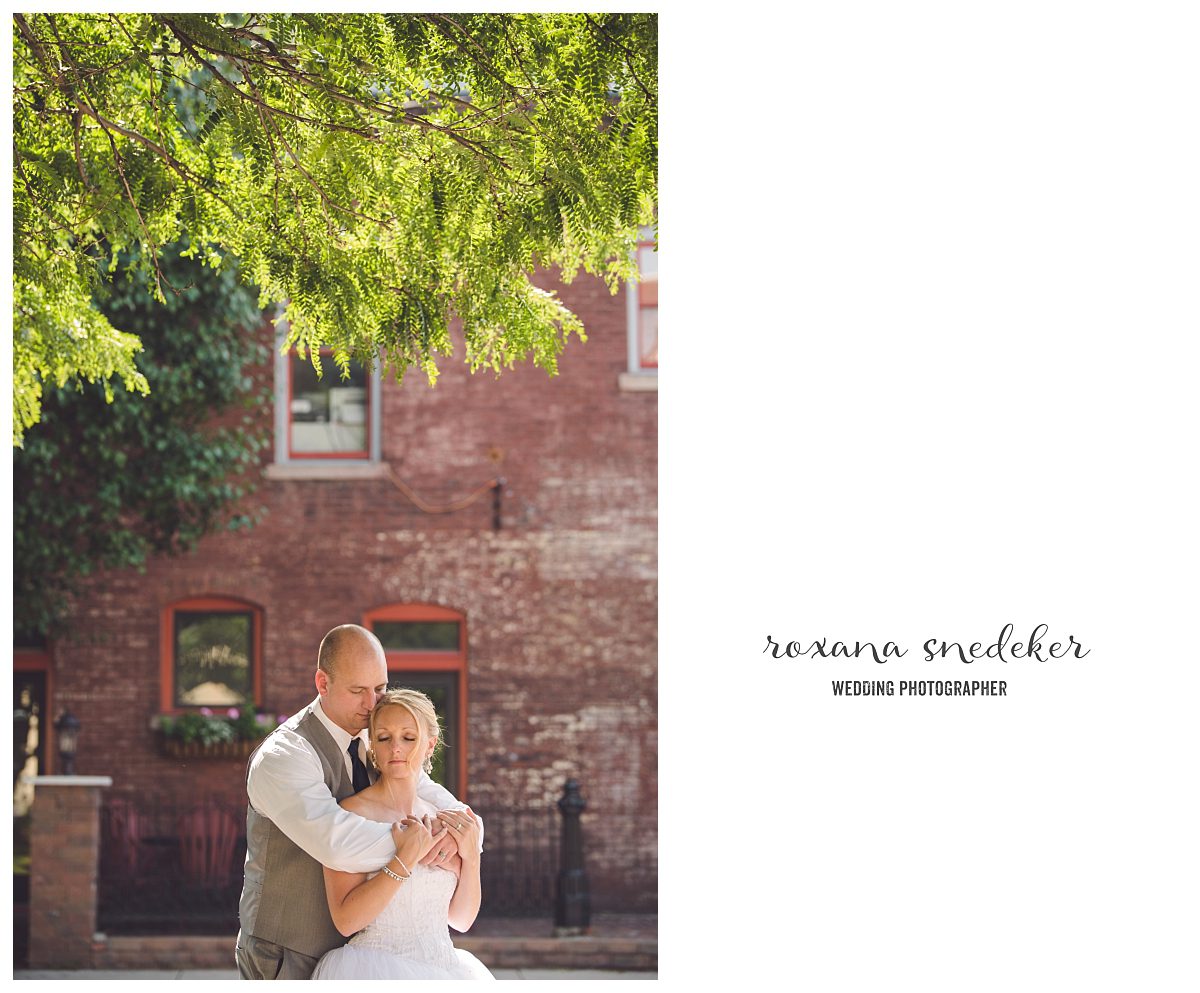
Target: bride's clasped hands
415,837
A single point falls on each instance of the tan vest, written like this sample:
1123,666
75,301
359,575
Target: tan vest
283,896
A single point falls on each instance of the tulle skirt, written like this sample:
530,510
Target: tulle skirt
350,962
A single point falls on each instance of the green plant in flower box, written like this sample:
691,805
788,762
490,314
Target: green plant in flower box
208,728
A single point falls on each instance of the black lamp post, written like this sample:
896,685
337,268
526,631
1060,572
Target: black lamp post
573,898
67,727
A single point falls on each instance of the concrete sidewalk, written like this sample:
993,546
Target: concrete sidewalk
211,974
617,946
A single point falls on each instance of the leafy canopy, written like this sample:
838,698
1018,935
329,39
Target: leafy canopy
375,174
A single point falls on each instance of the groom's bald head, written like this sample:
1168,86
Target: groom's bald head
351,674
343,642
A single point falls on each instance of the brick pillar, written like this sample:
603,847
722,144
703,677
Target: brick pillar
64,870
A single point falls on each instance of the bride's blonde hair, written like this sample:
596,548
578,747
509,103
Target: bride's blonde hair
423,712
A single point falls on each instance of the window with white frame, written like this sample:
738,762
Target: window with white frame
331,419
642,311
327,415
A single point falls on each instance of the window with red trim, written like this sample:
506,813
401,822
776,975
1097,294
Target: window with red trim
328,417
211,654
426,649
646,331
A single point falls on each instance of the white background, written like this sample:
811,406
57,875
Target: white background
929,366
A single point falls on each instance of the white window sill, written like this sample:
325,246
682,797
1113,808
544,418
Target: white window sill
638,382
326,469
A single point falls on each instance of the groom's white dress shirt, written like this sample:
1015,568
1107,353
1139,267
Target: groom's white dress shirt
286,785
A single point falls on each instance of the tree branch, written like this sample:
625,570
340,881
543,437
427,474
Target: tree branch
484,63
180,169
158,275
251,98
75,119
325,198
69,92
599,28
390,112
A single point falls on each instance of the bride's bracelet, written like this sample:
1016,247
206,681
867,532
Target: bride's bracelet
397,876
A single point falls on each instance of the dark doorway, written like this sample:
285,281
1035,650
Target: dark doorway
442,689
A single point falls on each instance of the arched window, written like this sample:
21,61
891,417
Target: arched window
211,654
426,647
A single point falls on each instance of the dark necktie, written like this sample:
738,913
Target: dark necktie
361,779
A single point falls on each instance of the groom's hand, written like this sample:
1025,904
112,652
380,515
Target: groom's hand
445,845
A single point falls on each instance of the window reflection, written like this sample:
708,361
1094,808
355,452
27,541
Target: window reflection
328,415
212,659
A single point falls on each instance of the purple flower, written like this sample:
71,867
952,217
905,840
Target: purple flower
281,718
234,713
263,719
205,712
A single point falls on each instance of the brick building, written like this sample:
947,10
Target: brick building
529,610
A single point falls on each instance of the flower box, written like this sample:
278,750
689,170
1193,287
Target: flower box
204,734
176,749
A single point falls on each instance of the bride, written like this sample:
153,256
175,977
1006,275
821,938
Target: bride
400,913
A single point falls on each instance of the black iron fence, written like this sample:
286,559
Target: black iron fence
519,862
177,869
170,869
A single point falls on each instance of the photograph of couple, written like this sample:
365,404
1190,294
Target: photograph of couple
335,495
339,846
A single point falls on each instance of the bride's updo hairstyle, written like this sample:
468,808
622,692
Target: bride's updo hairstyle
423,712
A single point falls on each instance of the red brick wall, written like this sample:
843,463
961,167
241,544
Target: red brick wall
64,854
561,603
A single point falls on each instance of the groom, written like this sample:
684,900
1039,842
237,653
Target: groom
294,824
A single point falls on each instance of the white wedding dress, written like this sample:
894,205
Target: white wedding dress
409,940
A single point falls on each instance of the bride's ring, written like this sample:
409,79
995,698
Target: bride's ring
441,855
